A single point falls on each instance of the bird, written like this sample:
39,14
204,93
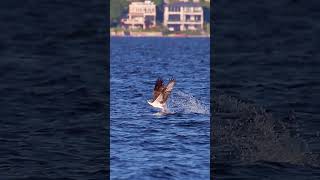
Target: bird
161,94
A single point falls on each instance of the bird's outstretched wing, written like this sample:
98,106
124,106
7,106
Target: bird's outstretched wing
167,90
158,88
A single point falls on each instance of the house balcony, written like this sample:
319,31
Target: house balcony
184,22
192,21
192,13
133,21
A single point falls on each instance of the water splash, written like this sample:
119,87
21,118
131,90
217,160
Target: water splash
186,103
250,133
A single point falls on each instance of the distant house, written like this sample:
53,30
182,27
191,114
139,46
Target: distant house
142,15
182,16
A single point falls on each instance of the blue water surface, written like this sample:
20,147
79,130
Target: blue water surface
266,90
53,90
145,145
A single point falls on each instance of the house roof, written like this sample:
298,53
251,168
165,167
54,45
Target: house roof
184,4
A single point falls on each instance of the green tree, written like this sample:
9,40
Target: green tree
158,2
208,28
117,9
205,3
159,9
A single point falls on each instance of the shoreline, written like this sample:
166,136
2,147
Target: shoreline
156,34
164,36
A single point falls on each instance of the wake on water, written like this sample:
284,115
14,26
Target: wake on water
184,103
249,133
181,102
246,131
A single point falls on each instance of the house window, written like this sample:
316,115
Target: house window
188,17
174,17
197,18
174,9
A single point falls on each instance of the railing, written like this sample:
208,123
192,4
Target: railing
183,22
133,21
195,12
192,21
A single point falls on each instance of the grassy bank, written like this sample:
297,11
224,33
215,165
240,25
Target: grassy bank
156,33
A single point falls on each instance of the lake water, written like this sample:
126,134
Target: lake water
266,90
53,90
148,146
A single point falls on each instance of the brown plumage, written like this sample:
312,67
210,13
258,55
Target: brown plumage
162,92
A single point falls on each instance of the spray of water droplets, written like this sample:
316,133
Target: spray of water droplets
186,103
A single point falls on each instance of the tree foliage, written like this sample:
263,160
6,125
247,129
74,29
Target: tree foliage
117,9
158,2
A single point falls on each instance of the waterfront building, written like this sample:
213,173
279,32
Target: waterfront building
142,15
182,16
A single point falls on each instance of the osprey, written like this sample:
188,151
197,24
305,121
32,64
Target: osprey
161,94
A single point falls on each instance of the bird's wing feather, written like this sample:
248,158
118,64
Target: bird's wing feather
168,90
159,98
158,88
